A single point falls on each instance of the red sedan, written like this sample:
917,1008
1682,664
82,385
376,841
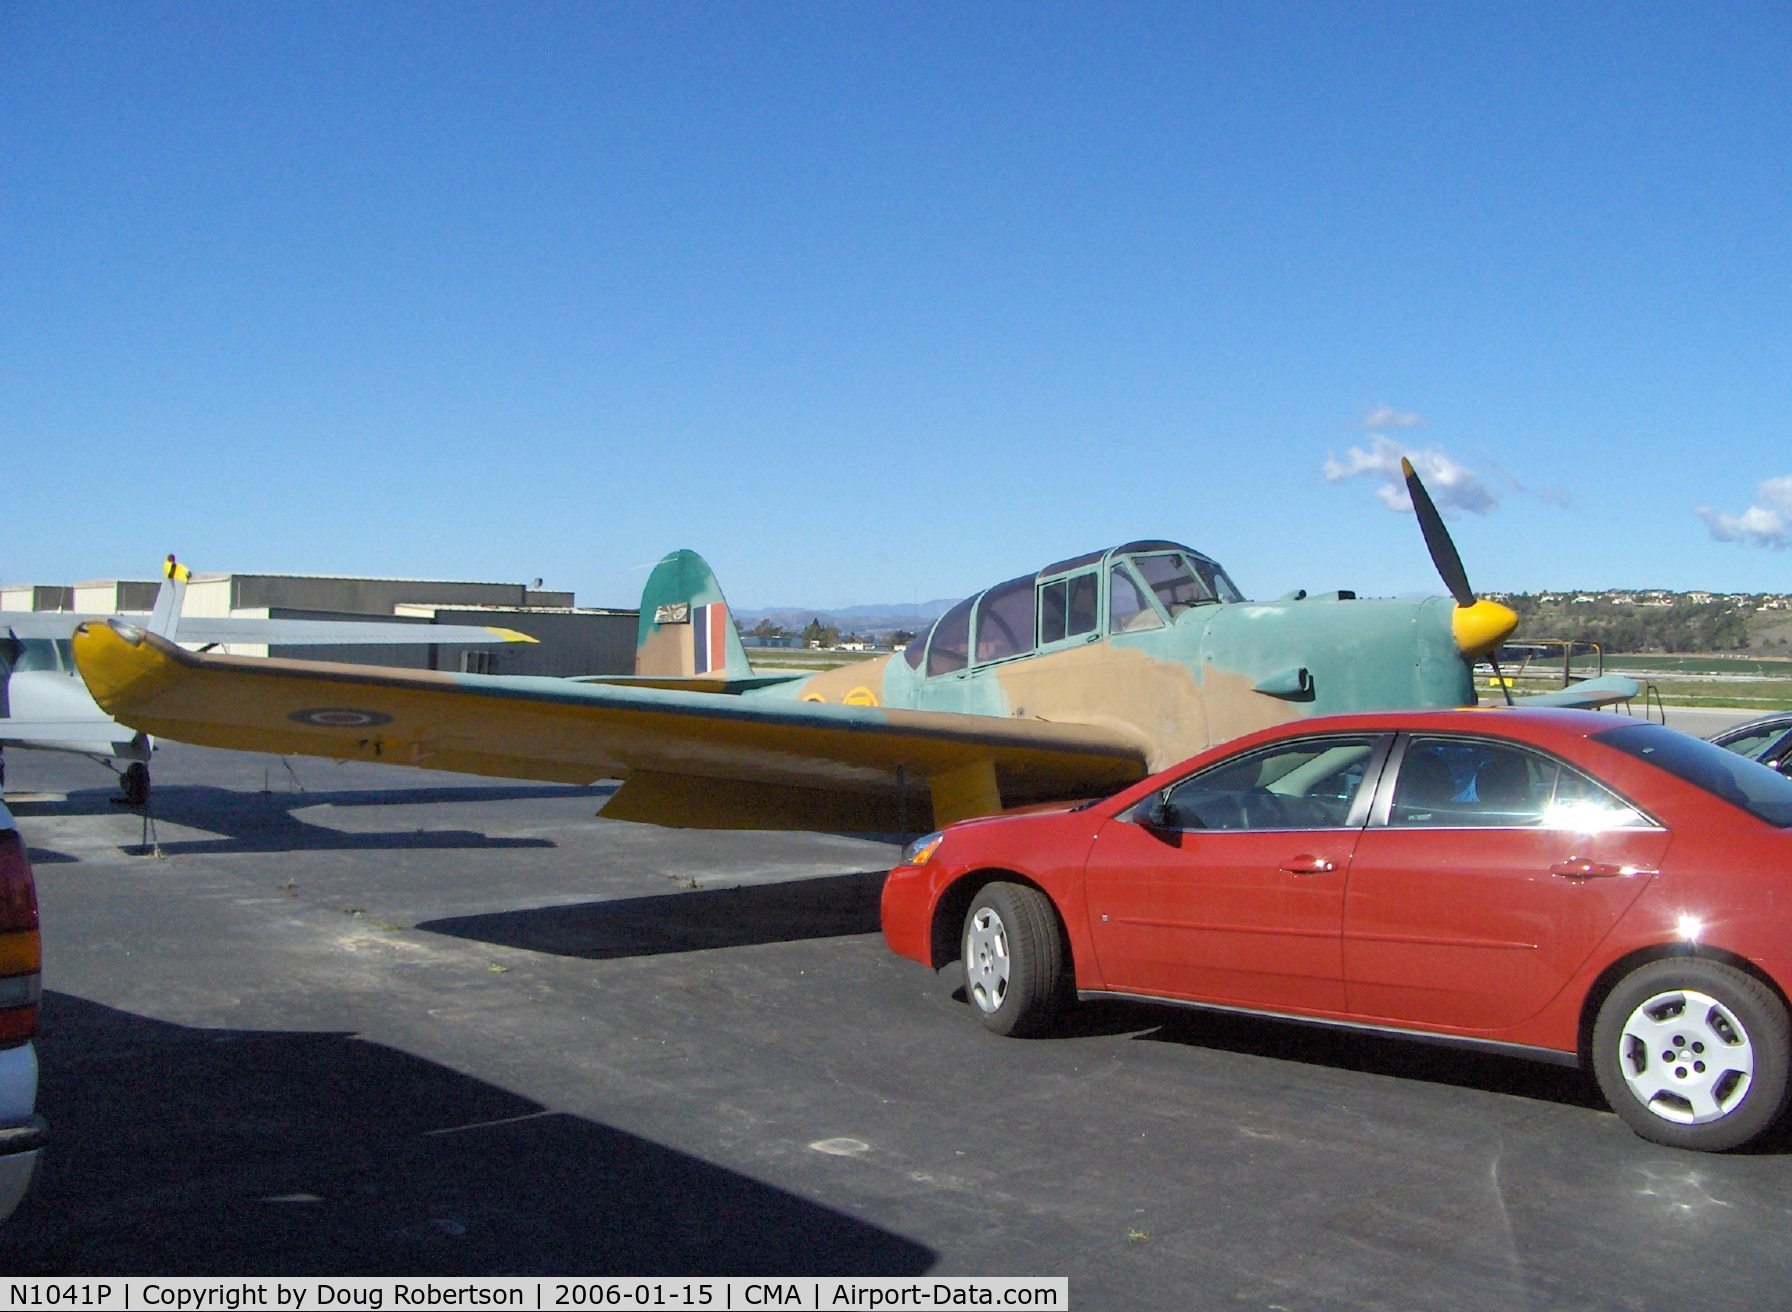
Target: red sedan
1578,887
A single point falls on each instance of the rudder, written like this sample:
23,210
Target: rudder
686,629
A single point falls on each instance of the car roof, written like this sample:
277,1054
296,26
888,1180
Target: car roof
1505,721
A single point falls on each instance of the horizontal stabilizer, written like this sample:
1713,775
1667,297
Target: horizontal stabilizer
1589,694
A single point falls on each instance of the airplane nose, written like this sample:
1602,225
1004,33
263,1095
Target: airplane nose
1482,627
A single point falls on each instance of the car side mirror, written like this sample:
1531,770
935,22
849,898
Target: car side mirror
1161,813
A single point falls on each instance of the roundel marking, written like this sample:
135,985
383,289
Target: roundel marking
860,696
813,697
340,717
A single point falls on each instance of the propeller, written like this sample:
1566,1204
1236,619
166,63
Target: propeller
1480,626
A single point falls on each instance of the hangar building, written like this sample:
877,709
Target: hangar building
570,640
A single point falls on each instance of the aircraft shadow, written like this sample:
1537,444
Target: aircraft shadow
833,906
249,822
181,1151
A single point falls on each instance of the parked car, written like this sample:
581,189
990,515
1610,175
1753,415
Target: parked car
22,1131
1767,740
1582,888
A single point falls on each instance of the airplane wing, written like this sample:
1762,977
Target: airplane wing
93,734
246,628
44,623
316,633
685,758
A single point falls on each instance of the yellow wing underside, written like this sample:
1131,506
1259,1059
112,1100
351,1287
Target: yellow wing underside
686,758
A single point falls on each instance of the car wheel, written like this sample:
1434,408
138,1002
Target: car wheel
1015,965
1693,1054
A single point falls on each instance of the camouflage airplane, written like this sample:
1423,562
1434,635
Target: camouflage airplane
1067,682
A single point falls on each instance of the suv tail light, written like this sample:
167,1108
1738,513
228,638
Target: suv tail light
21,951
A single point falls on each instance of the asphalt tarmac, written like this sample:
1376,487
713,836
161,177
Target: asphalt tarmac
346,1020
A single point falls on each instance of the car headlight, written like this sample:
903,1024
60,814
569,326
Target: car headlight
920,852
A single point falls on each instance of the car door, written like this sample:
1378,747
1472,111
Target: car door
1228,886
1487,875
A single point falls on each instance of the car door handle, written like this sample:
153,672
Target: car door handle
1581,868
1308,865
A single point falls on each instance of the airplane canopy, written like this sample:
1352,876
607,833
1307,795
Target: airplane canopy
1125,589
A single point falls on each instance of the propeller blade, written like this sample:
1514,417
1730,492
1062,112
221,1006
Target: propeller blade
1437,538
1494,660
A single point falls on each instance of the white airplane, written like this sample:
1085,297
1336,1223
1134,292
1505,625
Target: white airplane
44,705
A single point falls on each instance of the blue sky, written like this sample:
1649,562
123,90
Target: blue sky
887,302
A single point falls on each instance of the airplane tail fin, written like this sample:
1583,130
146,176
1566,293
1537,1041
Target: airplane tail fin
686,629
169,598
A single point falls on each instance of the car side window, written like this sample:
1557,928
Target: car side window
1751,744
1457,783
1308,784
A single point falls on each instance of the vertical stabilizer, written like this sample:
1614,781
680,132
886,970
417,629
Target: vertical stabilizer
169,598
686,629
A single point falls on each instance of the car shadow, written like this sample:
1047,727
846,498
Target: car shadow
1373,1054
1404,1059
830,906
1319,1045
182,1151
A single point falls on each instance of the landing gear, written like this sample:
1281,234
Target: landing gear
135,782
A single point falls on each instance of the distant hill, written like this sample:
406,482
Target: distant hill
873,619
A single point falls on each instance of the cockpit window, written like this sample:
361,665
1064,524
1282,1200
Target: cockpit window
1222,587
917,647
949,648
1069,608
1005,620
1128,611
1176,585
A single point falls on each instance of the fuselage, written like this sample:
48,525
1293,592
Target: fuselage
1152,639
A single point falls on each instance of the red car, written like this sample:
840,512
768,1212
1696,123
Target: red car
1578,887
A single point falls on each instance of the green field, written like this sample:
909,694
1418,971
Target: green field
1768,667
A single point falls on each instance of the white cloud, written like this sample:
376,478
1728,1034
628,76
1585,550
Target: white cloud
1767,523
1385,416
1452,485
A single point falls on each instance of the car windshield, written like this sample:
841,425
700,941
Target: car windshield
1763,793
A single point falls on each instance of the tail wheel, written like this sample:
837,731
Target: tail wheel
1693,1054
1016,969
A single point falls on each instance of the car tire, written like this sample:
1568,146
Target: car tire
1693,1054
1016,966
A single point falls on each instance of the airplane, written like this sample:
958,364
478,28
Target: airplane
44,705
1067,682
